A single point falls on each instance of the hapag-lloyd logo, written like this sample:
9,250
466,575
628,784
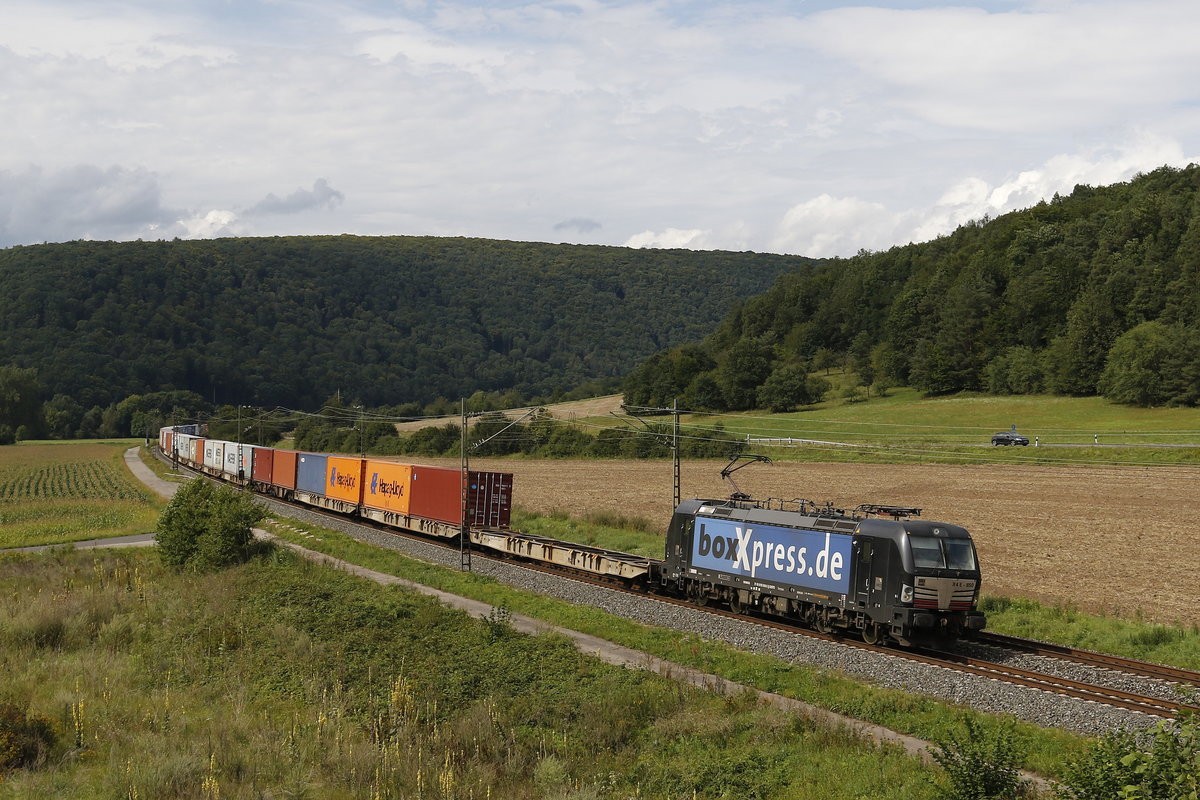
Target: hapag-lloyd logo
773,553
342,479
392,488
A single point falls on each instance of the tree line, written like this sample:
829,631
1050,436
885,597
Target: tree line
29,411
288,321
1096,292
492,433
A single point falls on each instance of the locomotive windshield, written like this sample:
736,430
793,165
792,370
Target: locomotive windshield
937,553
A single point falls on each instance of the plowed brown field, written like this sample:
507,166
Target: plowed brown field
1118,540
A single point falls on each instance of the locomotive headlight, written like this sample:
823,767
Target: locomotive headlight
906,594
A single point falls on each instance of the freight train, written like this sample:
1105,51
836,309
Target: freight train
875,572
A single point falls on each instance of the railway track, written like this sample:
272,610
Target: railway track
1143,703
1031,679
1090,658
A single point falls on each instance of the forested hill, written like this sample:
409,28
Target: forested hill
290,321
1096,292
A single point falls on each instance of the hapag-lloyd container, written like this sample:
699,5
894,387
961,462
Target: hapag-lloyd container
387,486
344,479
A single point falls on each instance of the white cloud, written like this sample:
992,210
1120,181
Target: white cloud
121,37
671,239
211,224
973,198
828,226
1067,65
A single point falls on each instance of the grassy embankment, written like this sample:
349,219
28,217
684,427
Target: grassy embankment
60,493
285,679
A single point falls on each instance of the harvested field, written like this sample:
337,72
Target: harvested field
1116,540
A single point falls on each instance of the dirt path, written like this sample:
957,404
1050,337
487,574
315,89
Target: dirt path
1105,539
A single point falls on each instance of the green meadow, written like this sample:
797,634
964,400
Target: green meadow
905,426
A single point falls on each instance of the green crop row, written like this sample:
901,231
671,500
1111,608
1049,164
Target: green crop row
91,480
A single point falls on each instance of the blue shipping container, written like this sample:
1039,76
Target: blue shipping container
310,474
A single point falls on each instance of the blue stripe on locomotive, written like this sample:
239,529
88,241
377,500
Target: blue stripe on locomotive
805,559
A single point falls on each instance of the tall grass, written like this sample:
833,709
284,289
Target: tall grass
284,679
1177,645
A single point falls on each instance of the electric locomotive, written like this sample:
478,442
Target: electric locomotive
875,571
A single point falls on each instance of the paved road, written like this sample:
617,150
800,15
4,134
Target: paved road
136,540
147,476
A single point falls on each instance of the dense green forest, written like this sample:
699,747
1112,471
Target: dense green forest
1097,292
291,321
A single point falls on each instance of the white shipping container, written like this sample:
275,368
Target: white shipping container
183,446
214,454
230,464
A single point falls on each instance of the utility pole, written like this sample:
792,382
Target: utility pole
464,532
675,451
241,470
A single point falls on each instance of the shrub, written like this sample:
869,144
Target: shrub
1117,766
206,527
981,765
854,394
25,739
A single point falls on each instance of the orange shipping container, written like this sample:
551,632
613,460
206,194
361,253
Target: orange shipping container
386,486
283,471
343,479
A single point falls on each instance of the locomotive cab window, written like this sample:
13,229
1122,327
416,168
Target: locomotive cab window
932,552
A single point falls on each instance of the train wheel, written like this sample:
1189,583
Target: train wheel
735,603
871,633
699,595
821,623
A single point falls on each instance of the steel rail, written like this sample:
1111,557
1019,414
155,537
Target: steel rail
1077,655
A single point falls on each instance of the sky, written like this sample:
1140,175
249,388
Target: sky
810,128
